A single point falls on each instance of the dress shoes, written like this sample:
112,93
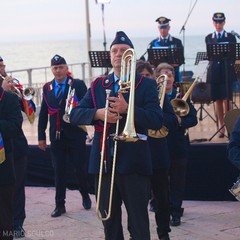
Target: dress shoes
164,237
19,232
86,201
175,221
58,211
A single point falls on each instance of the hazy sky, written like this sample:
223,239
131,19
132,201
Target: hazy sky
23,20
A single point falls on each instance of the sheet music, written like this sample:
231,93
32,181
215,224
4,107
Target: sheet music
201,70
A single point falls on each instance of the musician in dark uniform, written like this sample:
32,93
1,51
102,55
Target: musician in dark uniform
159,202
133,162
233,151
10,127
178,145
221,91
68,142
166,40
20,156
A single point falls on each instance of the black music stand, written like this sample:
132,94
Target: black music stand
222,52
100,59
165,54
201,56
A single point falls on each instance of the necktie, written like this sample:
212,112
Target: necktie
165,40
59,94
116,87
219,35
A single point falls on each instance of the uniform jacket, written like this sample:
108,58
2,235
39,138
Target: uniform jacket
131,157
172,42
50,108
10,127
216,70
20,144
178,141
159,146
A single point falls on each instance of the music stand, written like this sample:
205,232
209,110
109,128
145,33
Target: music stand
100,59
202,56
165,54
222,52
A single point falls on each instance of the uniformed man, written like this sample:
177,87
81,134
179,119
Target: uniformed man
166,40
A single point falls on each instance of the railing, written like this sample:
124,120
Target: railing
37,77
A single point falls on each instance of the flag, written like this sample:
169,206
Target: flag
2,151
29,110
75,100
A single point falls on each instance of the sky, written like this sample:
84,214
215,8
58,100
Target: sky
37,20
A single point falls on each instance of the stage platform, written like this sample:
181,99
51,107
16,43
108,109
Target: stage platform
202,220
209,174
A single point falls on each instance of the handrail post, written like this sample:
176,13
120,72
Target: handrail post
29,71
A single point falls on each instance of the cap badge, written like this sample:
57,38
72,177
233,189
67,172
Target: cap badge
56,58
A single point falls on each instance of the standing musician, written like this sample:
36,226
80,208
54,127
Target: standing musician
160,159
68,142
10,127
216,74
133,162
20,154
167,40
178,145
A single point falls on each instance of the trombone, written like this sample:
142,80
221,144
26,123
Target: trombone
180,106
127,82
103,161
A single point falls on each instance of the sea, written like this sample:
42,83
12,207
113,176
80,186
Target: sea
38,54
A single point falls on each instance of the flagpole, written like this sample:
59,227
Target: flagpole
88,31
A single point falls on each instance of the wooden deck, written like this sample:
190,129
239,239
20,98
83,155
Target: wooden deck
201,133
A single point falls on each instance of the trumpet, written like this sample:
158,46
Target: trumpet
161,84
70,104
23,93
180,106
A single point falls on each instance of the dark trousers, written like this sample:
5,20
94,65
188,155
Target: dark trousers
133,190
62,152
20,166
177,175
6,211
160,190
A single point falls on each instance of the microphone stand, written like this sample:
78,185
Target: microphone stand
104,35
183,30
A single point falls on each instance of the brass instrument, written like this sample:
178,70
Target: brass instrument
161,83
235,190
69,106
103,162
23,93
127,83
180,106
